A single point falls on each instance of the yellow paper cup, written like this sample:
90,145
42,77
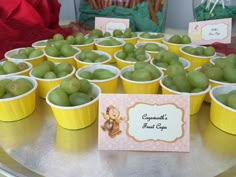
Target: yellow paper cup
142,39
172,46
214,84
85,46
80,63
132,40
34,61
45,85
107,85
76,117
212,59
96,38
109,49
152,53
120,63
196,99
185,63
195,61
24,72
222,116
63,59
18,107
40,44
139,87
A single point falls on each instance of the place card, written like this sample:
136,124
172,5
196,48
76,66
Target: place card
211,31
143,122
110,24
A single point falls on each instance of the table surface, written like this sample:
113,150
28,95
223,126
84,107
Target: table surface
36,146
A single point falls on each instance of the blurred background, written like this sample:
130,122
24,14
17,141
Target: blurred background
179,13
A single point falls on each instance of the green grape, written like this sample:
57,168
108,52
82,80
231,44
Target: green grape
173,70
128,48
59,97
79,99
70,85
58,36
141,75
231,100
230,74
182,83
121,54
102,74
198,79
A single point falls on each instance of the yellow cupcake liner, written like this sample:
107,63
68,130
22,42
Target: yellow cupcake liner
109,49
76,117
195,61
132,40
173,47
85,46
142,87
80,64
37,46
141,39
222,116
62,59
34,61
23,73
45,85
196,99
185,63
120,63
19,107
106,85
152,53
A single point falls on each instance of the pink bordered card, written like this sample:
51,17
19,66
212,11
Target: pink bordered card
110,24
211,31
143,122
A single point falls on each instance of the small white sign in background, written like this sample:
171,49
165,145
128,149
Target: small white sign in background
211,31
110,24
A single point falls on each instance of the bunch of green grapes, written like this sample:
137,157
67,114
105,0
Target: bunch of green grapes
228,99
182,81
97,33
10,88
199,50
50,70
126,34
79,39
76,39
27,53
142,72
60,49
223,69
165,58
97,74
72,92
110,42
177,39
91,56
130,53
149,35
9,67
154,47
